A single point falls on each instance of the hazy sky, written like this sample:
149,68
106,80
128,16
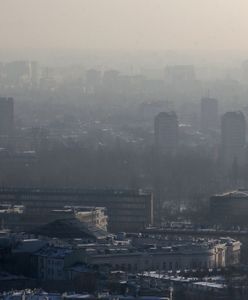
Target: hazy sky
124,24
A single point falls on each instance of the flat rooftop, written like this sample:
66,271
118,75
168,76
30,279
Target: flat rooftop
236,193
72,191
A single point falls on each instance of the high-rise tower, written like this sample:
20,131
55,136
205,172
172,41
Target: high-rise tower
6,116
166,132
233,137
209,114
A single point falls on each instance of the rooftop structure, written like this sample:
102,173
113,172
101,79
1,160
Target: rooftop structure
70,229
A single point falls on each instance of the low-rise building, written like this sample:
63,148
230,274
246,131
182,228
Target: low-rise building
205,254
51,262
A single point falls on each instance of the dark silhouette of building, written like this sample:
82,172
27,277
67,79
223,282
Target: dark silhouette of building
166,132
17,72
110,80
128,210
6,116
70,228
230,208
233,137
93,80
179,73
209,114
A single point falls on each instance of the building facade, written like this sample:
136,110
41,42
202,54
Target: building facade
210,254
